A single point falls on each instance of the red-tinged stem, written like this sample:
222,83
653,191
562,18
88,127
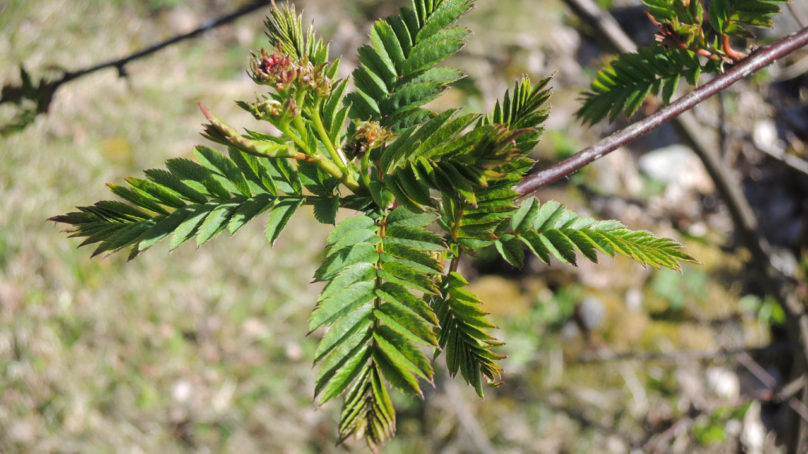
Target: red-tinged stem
731,53
757,60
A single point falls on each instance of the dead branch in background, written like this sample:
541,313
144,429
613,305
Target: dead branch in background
684,355
41,93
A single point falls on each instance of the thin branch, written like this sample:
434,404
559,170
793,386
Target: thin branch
797,16
49,87
575,411
792,161
120,63
658,443
604,23
756,61
466,418
785,394
794,70
685,355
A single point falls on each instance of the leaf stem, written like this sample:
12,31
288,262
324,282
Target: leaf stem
284,128
318,124
321,161
365,169
332,169
454,263
230,136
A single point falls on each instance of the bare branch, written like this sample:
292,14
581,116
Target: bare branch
684,355
756,61
120,63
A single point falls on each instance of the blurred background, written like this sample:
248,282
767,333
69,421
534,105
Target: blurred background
204,350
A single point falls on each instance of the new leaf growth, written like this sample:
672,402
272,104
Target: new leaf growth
428,187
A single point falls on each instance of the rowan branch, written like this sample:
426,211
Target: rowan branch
757,60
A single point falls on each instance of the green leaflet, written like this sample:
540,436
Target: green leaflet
446,13
406,323
466,344
285,29
333,114
350,238
159,193
337,375
341,303
395,366
550,230
258,179
315,180
247,210
215,222
368,410
628,80
402,346
347,333
624,85
729,16
169,182
229,173
511,250
325,210
412,256
415,237
192,200
279,216
397,71
409,218
141,199
377,324
360,271
398,295
187,228
385,42
342,259
197,177
434,50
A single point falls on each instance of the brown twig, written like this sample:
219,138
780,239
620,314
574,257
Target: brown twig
792,161
660,442
685,355
785,394
575,411
756,61
797,16
120,63
465,417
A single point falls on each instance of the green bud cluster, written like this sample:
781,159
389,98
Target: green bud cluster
368,135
